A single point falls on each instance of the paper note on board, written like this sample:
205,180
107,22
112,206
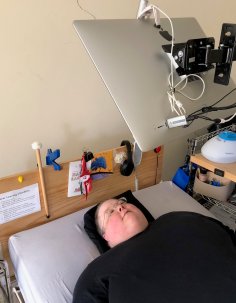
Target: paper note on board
74,184
19,203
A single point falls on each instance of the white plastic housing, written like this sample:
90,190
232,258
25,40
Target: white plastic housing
219,150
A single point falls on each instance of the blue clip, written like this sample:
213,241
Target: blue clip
51,157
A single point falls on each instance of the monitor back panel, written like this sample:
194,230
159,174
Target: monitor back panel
129,57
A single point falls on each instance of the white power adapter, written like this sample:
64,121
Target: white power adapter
176,121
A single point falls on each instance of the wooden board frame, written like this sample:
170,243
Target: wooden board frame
148,173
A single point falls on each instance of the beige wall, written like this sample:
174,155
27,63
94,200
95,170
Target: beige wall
49,88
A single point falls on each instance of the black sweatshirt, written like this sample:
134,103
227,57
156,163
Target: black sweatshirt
181,257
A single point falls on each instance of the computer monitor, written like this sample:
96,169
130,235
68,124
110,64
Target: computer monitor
200,55
129,57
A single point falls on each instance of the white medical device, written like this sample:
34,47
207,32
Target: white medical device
221,148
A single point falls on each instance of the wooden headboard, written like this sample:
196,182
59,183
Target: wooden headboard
148,173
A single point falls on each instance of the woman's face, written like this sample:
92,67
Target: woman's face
119,221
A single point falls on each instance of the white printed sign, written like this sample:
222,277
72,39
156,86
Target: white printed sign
74,183
19,203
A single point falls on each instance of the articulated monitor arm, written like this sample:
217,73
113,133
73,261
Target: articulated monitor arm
198,55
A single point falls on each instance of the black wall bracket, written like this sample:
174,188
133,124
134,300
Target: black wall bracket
227,48
198,55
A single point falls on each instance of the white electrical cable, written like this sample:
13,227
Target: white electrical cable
155,9
179,110
146,12
227,120
186,79
172,41
176,105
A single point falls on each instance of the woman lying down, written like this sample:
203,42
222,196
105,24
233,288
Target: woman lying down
179,257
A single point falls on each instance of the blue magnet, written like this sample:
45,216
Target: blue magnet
51,157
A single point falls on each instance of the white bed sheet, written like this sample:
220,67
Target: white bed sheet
49,259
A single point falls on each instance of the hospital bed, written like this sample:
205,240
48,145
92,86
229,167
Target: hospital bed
48,259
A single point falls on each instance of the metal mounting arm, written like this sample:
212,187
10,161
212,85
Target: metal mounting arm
199,55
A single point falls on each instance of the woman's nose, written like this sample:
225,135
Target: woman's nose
120,207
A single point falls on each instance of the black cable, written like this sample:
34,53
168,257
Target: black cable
206,118
86,11
187,125
224,107
224,97
200,110
191,119
209,109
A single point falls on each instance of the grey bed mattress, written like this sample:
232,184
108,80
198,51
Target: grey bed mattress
48,259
